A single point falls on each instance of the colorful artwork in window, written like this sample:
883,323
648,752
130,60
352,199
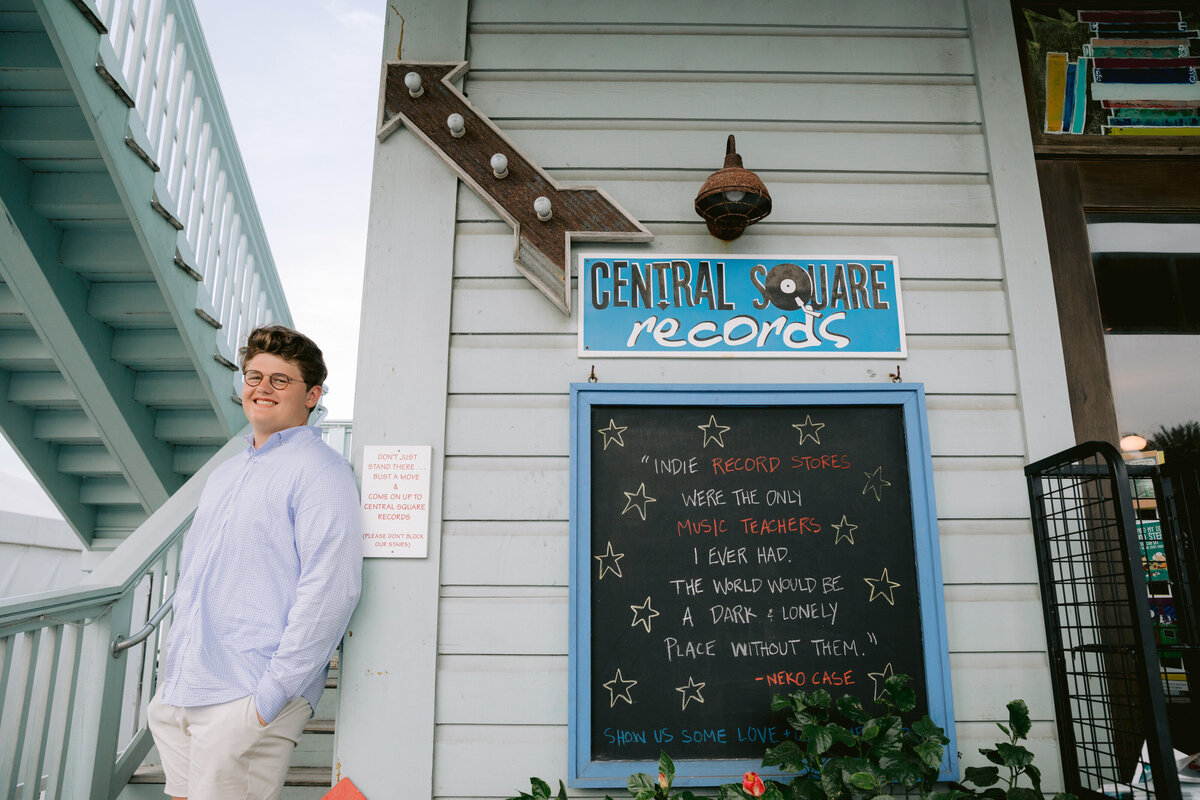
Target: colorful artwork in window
1115,72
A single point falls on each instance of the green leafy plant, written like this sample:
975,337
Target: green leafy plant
843,752
540,790
646,787
641,786
840,751
1010,756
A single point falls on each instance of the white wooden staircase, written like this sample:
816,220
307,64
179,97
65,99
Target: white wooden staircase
132,265
132,258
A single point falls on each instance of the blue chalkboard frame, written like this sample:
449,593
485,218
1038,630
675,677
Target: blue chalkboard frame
585,772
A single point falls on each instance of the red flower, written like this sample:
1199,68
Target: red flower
662,780
753,784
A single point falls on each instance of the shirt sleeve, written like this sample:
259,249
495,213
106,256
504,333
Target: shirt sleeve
328,533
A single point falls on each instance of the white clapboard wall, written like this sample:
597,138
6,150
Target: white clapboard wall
867,123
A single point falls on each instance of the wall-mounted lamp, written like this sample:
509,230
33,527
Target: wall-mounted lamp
500,165
732,198
412,81
541,207
1132,443
457,125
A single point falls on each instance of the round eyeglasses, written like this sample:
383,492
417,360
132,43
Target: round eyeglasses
253,377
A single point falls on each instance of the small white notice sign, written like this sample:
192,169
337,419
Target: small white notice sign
395,501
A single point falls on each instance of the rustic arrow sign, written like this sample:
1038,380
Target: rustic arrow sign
542,248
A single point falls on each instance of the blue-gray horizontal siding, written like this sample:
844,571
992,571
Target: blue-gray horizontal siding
864,120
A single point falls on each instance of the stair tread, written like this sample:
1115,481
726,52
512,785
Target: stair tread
319,726
296,776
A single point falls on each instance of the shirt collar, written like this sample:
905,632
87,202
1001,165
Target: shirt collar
280,438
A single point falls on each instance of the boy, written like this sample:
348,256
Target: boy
271,571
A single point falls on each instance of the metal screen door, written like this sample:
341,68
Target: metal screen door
1108,691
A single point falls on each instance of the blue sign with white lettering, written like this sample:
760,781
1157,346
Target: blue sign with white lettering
774,306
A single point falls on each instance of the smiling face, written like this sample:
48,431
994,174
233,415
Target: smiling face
271,410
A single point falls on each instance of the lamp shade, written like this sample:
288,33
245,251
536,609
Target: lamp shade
733,197
1132,443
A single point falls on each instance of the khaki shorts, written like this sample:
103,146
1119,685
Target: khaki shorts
221,752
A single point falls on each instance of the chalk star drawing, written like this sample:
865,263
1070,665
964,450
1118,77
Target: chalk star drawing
643,614
805,433
608,562
713,432
691,691
848,535
612,434
875,482
886,593
638,500
619,682
880,680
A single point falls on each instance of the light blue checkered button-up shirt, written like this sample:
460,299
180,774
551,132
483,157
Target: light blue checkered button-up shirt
272,568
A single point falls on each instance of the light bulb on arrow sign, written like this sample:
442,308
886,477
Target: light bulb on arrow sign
543,236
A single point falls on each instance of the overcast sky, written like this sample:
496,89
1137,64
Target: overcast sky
301,83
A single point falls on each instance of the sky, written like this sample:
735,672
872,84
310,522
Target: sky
301,83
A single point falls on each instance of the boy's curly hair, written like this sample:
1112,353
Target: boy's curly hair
290,345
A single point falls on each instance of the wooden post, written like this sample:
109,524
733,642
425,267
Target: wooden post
1094,414
98,715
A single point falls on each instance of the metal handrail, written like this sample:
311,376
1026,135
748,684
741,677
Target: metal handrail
122,643
74,692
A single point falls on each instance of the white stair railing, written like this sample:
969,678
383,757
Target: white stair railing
180,124
73,706
338,434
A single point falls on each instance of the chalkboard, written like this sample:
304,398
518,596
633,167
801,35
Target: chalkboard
731,543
